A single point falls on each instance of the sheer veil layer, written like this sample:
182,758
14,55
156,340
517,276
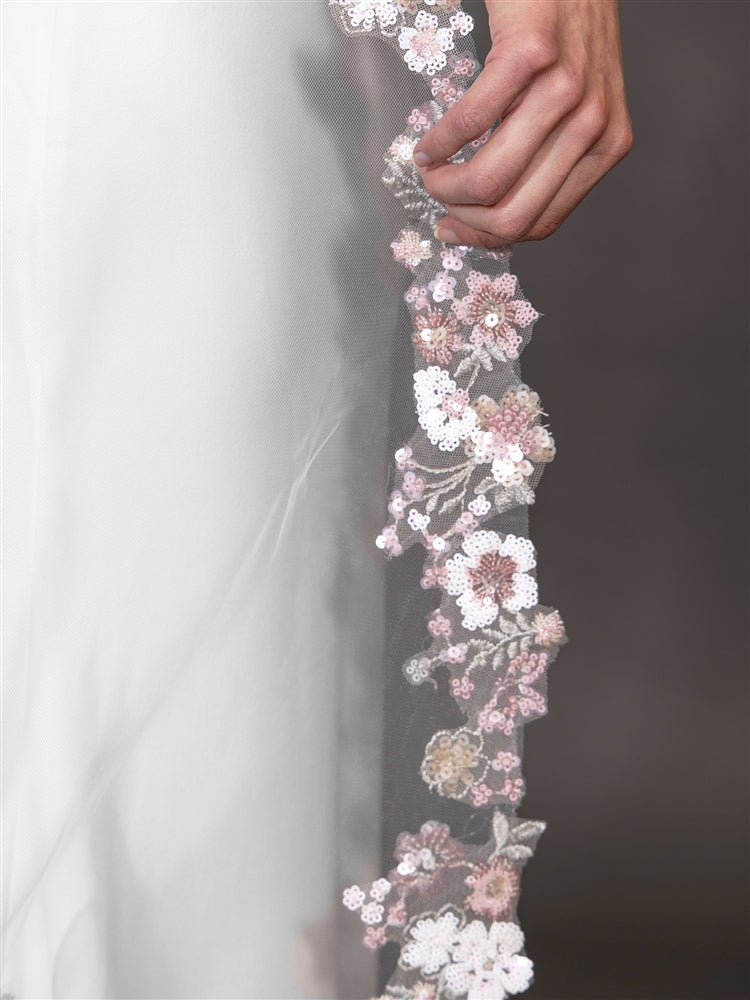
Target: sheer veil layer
207,294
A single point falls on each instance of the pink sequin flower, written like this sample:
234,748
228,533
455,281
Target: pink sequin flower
513,694
410,249
424,857
417,296
436,336
374,938
495,314
462,687
440,625
506,761
548,628
442,287
445,90
462,64
413,486
495,888
509,435
419,119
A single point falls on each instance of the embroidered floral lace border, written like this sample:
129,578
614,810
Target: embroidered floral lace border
478,454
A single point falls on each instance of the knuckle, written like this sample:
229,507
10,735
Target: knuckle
593,119
433,187
483,188
490,241
617,142
567,89
545,228
537,52
623,138
470,121
510,226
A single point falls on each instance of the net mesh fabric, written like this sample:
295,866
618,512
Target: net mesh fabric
460,487
202,354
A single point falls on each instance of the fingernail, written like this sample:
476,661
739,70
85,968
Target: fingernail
445,234
422,159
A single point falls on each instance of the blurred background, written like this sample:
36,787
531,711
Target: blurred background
639,889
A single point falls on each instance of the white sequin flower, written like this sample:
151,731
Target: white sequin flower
442,408
431,941
364,13
417,521
485,964
417,669
402,149
491,573
462,22
372,913
354,897
425,44
380,889
480,506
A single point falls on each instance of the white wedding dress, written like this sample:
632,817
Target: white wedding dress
197,341
210,727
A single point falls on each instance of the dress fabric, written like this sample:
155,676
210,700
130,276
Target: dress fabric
210,710
197,341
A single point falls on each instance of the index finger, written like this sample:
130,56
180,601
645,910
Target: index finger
506,74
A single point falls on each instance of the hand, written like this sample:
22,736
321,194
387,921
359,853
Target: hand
554,78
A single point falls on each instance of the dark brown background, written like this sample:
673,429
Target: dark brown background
639,889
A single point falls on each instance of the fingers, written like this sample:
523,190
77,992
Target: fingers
499,164
558,178
554,78
582,179
506,74
515,214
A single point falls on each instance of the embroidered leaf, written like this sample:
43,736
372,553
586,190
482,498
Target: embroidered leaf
500,658
528,829
466,365
517,852
450,504
500,828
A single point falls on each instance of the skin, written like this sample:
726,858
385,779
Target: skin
554,78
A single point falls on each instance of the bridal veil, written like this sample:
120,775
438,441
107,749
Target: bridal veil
210,299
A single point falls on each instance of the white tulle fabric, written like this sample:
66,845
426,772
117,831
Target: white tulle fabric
201,308
462,484
197,350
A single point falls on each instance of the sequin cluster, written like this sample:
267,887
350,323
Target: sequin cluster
467,472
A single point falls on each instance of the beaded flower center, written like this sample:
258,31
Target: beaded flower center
494,313
492,578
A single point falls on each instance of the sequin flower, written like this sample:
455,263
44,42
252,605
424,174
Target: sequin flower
431,941
495,887
485,964
509,435
548,628
410,249
494,312
442,408
363,14
401,150
453,762
436,336
513,694
424,857
491,573
425,44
